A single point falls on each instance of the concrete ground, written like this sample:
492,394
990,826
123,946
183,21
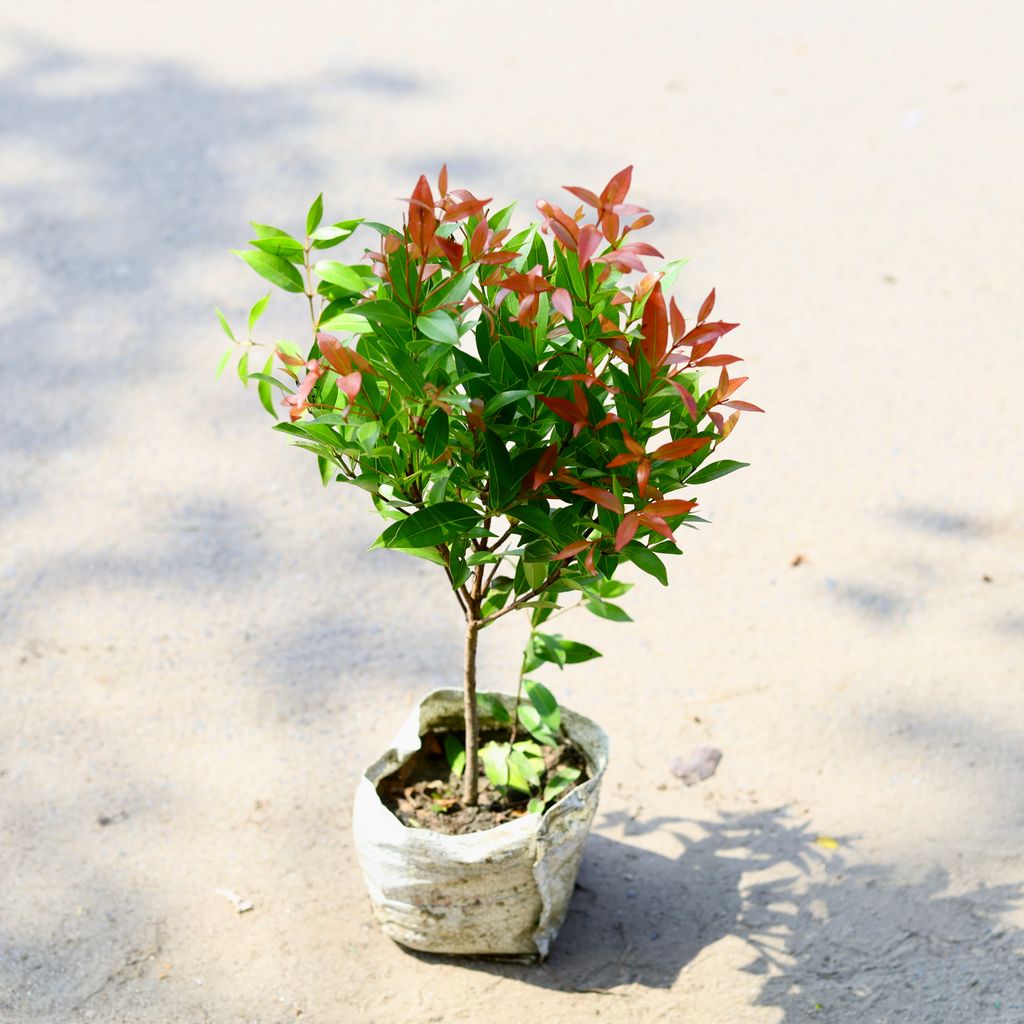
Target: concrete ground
199,654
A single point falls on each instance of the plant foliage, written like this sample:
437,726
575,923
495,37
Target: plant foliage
521,410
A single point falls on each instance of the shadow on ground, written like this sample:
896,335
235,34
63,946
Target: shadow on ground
846,939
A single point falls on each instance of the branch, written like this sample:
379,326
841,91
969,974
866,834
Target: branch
461,594
536,592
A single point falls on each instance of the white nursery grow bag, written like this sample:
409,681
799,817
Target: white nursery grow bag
503,891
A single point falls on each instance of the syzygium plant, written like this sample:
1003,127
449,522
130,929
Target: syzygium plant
521,411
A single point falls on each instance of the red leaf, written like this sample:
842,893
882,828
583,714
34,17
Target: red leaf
335,353
563,408
632,445
349,384
643,476
727,387
479,239
562,301
623,260
562,234
718,361
617,188
525,284
610,418
622,460
496,258
588,243
580,397
670,507
708,332
422,222
289,360
688,399
682,448
678,321
600,497
627,530
588,562
541,473
451,249
706,306
657,524
475,418
743,406
583,193
654,327
640,248
573,549
644,285
527,305
442,181
467,208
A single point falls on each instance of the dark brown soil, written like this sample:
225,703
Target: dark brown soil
424,793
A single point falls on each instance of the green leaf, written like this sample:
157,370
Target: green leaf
263,389
560,781
223,361
430,526
280,245
427,554
559,651
495,760
327,237
266,231
537,519
384,312
225,326
435,434
544,701
482,558
490,705
502,399
535,806
340,274
276,270
503,479
272,381
243,368
523,772
351,323
257,311
645,559
607,610
715,470
455,753
438,326
534,725
315,215
669,273
455,289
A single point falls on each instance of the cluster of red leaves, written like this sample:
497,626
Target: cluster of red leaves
660,339
346,362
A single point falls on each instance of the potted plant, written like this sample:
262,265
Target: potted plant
522,416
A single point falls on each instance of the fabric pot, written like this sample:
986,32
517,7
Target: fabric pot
501,892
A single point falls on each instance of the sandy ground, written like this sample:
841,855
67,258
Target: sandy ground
199,654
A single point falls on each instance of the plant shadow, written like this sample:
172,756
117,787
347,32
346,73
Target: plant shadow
823,933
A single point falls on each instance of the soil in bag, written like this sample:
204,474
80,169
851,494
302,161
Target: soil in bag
425,793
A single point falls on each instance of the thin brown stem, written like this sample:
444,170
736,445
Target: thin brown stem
526,598
470,777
